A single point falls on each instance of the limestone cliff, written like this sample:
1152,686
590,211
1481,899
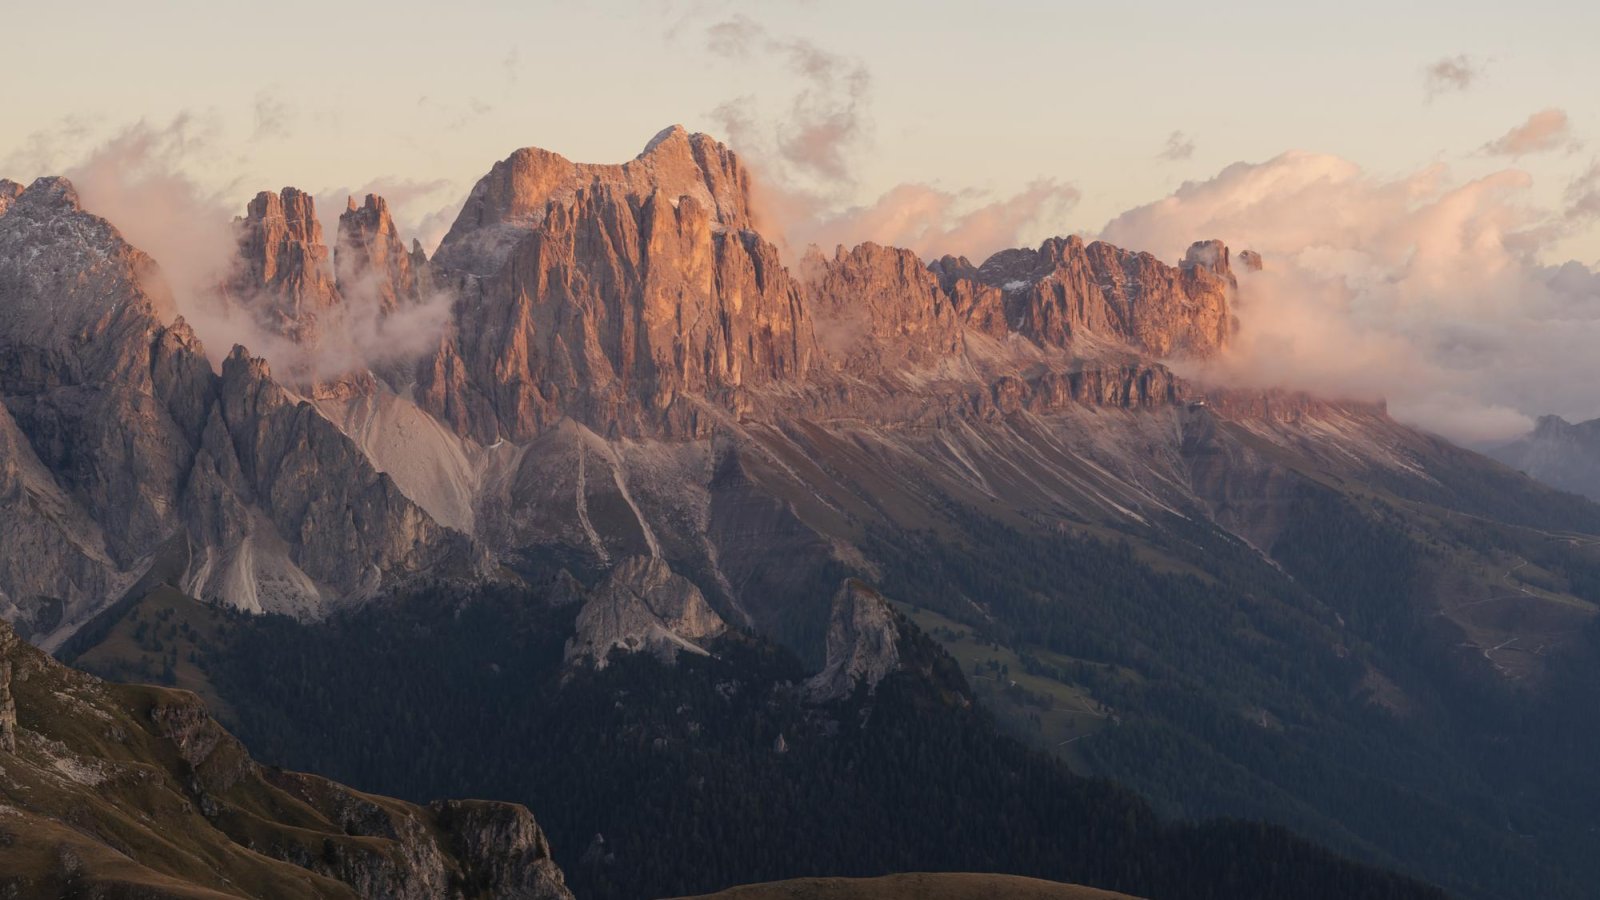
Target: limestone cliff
879,310
371,261
1066,289
643,606
862,643
125,449
9,192
284,274
629,300
1559,453
519,192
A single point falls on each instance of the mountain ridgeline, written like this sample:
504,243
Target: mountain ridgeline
656,439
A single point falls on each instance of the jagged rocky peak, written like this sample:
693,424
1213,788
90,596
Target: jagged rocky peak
370,257
862,644
1559,453
1067,288
629,307
1251,261
9,191
73,300
879,308
1210,255
283,273
643,606
516,195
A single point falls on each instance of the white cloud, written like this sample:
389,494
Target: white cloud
1422,289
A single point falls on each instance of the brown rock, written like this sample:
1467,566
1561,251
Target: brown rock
284,275
878,309
1066,289
371,260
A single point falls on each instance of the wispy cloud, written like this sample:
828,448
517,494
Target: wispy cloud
1179,147
1545,130
825,120
273,117
1452,74
1423,289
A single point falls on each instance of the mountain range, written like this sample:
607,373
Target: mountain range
629,403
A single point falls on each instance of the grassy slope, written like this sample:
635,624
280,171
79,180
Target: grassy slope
104,799
915,886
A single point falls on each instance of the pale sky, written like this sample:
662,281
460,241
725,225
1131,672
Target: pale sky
1413,171
984,96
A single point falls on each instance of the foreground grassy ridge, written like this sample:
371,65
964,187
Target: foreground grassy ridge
135,791
914,886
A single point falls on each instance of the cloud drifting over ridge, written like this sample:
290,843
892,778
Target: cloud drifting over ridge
1421,289
136,180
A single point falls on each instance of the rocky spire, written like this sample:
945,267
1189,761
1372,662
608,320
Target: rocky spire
9,191
879,309
863,643
370,257
643,606
283,273
1066,288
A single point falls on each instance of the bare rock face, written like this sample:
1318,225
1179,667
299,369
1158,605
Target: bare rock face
322,493
1251,261
518,193
979,305
643,606
632,312
372,262
284,275
120,441
8,707
1066,289
9,192
879,309
862,643
1559,453
502,847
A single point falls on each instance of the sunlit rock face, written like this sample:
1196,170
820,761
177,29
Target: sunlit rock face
643,607
626,297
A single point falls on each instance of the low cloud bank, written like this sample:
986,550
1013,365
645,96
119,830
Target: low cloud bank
1423,290
136,181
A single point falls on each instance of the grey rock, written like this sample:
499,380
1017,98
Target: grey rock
642,606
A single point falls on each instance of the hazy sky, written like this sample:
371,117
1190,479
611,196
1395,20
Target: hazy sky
987,96
1416,168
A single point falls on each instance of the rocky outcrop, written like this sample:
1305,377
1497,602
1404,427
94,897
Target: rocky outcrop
372,262
642,606
121,441
106,779
9,192
879,310
521,190
8,709
501,848
628,308
1067,289
1559,453
284,276
862,644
